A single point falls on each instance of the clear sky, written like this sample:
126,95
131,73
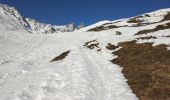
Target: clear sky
61,12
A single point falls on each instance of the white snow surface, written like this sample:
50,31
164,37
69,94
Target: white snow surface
93,26
27,73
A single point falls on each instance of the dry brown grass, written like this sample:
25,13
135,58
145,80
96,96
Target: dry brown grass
147,15
92,44
61,56
118,33
159,27
100,28
135,20
167,17
96,29
147,37
147,69
132,20
111,47
166,36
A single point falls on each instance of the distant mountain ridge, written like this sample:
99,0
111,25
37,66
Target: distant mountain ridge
11,19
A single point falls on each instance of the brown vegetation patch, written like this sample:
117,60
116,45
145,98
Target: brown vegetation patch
107,24
96,29
61,56
111,26
111,47
118,33
135,20
92,44
132,20
167,17
147,69
100,28
147,37
159,27
147,15
140,24
111,23
166,36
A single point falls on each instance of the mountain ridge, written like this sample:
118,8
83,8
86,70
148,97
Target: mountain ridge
11,14
34,26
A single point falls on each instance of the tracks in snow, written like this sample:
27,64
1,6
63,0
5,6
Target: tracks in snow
83,75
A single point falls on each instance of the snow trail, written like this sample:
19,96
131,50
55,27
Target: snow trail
82,75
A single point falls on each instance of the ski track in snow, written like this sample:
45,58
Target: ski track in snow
82,75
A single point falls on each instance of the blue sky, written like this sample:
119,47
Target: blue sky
61,12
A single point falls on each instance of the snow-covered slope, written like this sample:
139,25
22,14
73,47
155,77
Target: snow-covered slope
82,75
36,66
11,19
141,20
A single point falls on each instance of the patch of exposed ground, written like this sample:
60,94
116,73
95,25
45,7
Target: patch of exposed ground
118,33
147,69
111,23
147,37
167,17
111,46
61,56
135,20
140,22
100,28
147,15
159,27
92,44
166,36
